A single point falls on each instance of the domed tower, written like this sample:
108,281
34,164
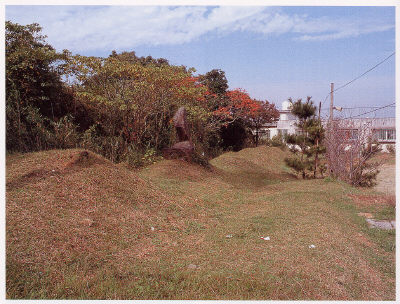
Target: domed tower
285,107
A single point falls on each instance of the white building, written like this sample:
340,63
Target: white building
285,124
381,129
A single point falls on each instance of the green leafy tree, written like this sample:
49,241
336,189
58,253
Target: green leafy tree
132,58
216,82
35,94
214,98
306,143
133,103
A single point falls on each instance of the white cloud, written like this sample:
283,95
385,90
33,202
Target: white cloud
339,29
83,28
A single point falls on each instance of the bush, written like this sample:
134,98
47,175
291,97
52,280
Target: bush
136,157
150,156
263,141
200,159
349,160
276,141
391,149
322,169
90,139
111,147
27,130
65,133
233,136
296,164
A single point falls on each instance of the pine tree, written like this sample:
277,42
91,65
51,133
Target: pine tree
306,143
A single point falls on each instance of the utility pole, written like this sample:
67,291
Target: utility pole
331,107
316,152
319,112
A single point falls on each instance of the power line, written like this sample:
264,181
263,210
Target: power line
362,108
370,111
358,77
351,108
346,84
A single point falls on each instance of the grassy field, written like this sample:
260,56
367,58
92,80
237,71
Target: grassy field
83,228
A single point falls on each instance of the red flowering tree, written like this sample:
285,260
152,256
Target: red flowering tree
253,113
261,115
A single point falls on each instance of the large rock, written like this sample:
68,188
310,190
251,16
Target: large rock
181,125
181,150
184,148
386,225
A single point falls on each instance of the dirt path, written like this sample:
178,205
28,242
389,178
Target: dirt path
387,179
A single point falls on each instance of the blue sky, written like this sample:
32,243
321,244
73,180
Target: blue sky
272,52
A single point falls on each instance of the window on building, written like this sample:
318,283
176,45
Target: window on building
384,134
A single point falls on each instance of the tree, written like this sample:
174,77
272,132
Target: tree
215,81
246,113
133,103
262,115
35,94
316,133
349,149
307,141
232,116
215,97
132,58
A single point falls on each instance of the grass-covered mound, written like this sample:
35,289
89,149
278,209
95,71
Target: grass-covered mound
79,226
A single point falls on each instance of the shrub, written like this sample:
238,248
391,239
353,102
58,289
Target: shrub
27,130
234,135
349,159
65,133
296,164
391,149
200,159
136,157
276,141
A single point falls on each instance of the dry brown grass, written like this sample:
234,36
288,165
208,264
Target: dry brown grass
84,231
379,201
77,209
